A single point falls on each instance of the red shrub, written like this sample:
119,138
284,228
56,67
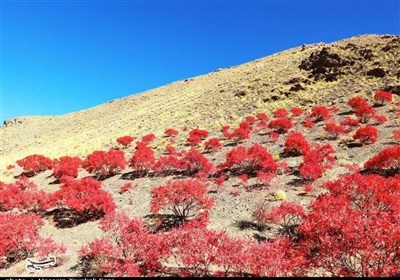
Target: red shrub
250,119
20,239
225,131
354,229
170,132
288,215
250,161
281,125
196,136
24,196
169,149
35,164
296,111
319,113
84,195
128,249
262,117
191,162
187,199
105,164
296,144
67,166
386,161
380,119
334,130
365,113
148,138
316,161
349,124
281,113
366,135
381,97
125,140
212,145
357,102
143,158
308,124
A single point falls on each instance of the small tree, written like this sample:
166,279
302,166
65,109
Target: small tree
187,199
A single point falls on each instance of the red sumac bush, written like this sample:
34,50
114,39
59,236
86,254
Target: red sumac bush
105,164
366,135
280,125
67,166
296,144
35,164
125,140
381,97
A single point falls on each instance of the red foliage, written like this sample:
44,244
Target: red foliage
250,161
187,199
250,119
296,111
366,135
84,195
380,119
262,117
296,144
349,124
274,136
169,149
357,102
386,161
148,138
35,164
24,196
316,161
212,145
143,158
334,130
20,239
170,132
67,166
381,97
365,113
354,229
288,215
281,113
308,124
196,136
281,125
190,162
125,140
105,164
128,249
319,113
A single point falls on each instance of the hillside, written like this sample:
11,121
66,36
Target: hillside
310,74
291,188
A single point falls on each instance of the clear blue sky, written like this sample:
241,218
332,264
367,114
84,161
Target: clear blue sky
64,56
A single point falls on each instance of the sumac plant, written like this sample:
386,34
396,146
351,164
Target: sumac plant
249,161
196,136
296,144
20,239
366,135
35,164
85,196
316,161
280,125
142,159
125,140
386,162
104,164
186,199
354,229
381,97
67,166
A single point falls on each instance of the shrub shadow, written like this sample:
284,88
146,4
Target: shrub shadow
67,218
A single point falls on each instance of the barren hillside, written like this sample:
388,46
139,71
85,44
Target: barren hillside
309,74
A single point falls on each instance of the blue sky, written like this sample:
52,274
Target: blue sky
64,56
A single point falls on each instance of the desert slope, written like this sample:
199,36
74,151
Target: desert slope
306,75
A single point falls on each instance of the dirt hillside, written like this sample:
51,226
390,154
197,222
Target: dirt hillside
307,75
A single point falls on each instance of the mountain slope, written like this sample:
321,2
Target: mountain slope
306,75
